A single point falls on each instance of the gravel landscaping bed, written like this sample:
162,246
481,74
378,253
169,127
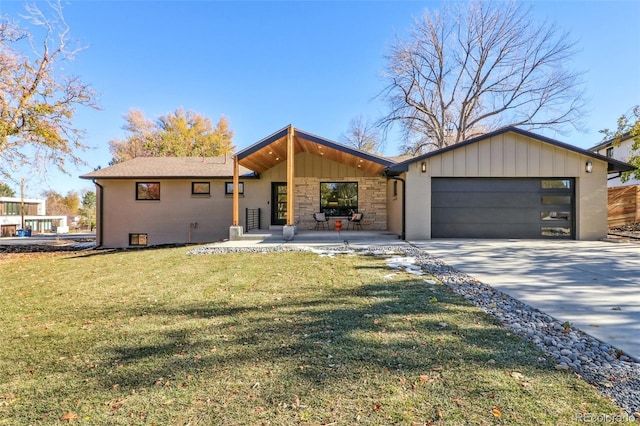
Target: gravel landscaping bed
629,232
615,374
47,248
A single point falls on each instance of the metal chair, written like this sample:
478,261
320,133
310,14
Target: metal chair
354,221
321,221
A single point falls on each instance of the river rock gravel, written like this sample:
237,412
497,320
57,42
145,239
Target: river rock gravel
615,374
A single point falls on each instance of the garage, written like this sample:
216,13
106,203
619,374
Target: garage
528,208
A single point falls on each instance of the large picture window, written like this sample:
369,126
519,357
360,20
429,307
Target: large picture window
147,190
338,198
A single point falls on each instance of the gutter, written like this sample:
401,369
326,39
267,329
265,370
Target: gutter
99,225
617,175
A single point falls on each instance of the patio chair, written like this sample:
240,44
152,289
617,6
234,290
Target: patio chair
354,221
321,221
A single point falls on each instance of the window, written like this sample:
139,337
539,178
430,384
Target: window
395,188
555,215
137,239
556,199
147,190
338,198
11,208
610,151
228,188
556,232
200,188
556,183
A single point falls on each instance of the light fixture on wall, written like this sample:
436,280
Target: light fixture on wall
423,167
589,167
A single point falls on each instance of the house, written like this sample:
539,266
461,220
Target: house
34,214
619,150
506,184
164,200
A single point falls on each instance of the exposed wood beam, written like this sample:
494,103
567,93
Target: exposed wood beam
290,176
236,198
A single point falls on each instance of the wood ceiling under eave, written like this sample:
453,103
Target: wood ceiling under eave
276,152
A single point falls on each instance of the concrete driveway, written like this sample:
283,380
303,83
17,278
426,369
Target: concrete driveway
593,284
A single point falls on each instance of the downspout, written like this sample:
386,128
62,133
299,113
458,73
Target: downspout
99,225
404,202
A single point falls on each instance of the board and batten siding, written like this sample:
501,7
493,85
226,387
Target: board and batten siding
511,155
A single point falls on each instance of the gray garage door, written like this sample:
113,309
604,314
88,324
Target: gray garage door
502,208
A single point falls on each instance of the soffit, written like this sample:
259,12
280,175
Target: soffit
272,151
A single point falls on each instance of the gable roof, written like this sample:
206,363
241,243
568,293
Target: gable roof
169,167
272,150
613,166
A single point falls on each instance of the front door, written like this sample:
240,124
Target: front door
278,203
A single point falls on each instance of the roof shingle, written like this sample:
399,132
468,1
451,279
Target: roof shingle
169,167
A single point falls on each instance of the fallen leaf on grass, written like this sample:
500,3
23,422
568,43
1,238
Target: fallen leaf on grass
69,417
496,411
377,407
457,400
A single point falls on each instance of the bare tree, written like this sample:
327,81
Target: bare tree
363,135
474,67
37,101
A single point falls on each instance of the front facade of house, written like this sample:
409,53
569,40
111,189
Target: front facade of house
506,184
621,151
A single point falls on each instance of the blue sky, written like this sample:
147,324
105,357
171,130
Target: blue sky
315,65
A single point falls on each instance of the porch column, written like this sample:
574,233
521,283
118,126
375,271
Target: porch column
290,178
236,198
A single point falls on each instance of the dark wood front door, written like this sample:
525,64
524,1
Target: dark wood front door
278,203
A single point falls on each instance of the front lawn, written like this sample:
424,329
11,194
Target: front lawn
166,338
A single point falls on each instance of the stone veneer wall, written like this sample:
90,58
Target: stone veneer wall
372,201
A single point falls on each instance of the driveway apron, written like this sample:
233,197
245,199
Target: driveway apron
595,285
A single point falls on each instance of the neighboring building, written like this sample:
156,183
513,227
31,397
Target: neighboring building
621,151
505,184
35,218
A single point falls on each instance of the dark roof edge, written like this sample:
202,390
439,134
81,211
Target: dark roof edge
613,165
314,138
261,143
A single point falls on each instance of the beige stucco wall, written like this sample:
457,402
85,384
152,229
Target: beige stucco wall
511,155
165,221
310,170
168,220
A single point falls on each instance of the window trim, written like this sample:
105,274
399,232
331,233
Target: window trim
200,194
136,236
228,188
147,183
